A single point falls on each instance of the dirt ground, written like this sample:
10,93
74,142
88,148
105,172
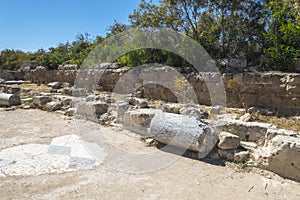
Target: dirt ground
184,179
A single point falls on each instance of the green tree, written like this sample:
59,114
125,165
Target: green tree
282,39
12,59
225,28
55,56
80,48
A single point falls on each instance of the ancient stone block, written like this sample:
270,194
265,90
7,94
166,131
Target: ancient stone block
40,101
228,141
282,156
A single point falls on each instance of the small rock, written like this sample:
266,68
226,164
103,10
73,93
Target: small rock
246,117
41,100
67,101
64,85
226,117
191,111
137,102
91,97
53,90
149,142
26,101
241,156
53,106
106,119
26,107
248,145
26,90
228,141
10,108
13,89
171,108
252,110
67,91
70,112
55,85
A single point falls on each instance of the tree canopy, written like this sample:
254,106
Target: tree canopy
265,32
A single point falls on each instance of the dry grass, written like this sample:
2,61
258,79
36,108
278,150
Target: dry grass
290,123
35,87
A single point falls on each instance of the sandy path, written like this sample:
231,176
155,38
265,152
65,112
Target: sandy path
184,179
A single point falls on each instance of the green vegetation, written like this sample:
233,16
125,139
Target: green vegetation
252,29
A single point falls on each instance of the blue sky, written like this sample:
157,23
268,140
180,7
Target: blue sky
29,25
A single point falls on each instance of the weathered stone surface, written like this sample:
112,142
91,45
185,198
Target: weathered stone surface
67,101
52,106
171,108
246,117
67,91
9,100
70,112
55,85
228,141
183,131
279,91
248,131
26,101
192,111
149,142
13,89
121,108
227,117
274,132
281,155
53,90
241,156
138,121
92,110
248,145
68,67
100,107
226,154
137,102
106,119
40,101
64,154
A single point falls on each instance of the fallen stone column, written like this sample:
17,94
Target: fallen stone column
9,100
183,131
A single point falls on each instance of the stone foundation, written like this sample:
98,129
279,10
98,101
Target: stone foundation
279,92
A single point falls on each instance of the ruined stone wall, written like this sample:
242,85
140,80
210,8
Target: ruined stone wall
279,91
11,75
47,76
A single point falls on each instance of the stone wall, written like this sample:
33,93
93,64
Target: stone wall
11,75
48,76
278,91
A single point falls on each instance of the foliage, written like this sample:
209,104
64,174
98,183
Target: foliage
226,29
282,39
12,59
